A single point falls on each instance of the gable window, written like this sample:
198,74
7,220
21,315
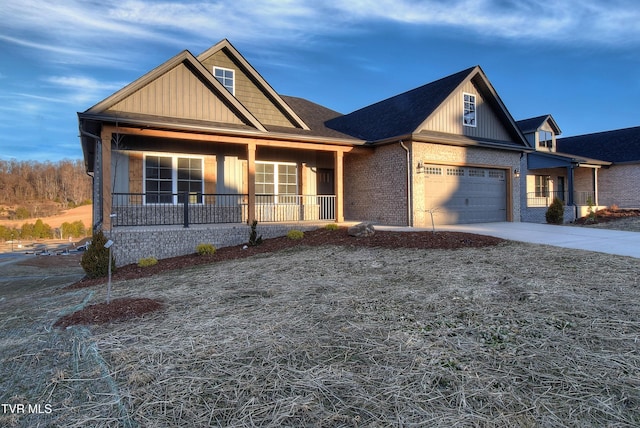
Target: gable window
469,115
168,178
542,186
545,139
226,77
275,181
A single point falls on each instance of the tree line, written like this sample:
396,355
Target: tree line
41,230
34,189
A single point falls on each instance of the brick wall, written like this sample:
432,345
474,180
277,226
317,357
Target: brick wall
375,186
619,185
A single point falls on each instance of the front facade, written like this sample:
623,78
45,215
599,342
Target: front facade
619,180
548,173
201,141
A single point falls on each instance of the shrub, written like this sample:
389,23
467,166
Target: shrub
95,261
205,249
555,212
148,261
332,226
295,234
254,239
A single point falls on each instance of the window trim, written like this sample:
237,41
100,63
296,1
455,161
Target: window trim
232,90
471,102
174,176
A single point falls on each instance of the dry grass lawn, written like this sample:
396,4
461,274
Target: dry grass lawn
510,335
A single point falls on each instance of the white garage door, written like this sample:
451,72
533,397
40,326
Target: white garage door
465,194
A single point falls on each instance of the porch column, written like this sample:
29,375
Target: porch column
251,182
570,184
595,187
339,182
106,179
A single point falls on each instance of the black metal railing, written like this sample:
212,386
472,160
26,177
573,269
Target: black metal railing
152,209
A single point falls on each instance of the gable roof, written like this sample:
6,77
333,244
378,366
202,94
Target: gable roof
400,114
226,45
185,57
403,114
535,123
617,146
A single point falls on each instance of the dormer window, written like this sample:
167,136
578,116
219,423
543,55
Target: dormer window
226,77
545,139
469,115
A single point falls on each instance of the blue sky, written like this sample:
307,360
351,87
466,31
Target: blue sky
578,60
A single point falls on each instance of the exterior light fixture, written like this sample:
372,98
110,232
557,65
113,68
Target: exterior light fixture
420,168
516,173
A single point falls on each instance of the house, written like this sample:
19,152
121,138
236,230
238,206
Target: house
549,172
202,141
619,181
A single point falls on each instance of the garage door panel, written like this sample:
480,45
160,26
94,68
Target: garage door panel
465,194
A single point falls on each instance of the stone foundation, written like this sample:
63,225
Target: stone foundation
133,243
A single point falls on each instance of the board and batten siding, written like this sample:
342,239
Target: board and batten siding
179,94
448,118
248,93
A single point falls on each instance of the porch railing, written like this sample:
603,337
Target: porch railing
536,199
150,209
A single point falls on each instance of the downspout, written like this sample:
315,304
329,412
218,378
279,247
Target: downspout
409,205
98,141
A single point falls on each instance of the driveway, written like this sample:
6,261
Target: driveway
582,238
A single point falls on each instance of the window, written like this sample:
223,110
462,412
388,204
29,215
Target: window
167,178
545,139
469,116
455,171
277,180
542,186
226,77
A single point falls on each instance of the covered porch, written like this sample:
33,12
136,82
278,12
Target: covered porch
160,177
554,175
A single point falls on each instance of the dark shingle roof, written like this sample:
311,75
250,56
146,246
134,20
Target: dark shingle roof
314,115
621,145
400,114
532,124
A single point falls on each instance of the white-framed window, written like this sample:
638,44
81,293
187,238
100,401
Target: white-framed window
168,177
226,76
545,139
542,186
276,180
469,114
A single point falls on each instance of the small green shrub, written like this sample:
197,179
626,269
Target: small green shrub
148,261
555,212
95,261
295,234
254,239
205,249
332,226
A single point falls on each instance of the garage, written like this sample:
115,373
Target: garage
462,194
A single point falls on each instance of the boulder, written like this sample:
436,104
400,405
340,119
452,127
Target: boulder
361,230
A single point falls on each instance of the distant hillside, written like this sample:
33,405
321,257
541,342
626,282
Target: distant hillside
82,213
30,189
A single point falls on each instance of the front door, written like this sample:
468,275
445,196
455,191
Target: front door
325,187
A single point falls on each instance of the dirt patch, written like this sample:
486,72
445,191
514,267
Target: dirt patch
116,310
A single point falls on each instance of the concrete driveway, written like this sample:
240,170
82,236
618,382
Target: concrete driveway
582,238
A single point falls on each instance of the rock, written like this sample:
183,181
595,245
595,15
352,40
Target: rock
361,230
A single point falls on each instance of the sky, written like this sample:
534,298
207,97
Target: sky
578,60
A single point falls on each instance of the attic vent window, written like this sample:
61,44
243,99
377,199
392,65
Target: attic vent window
226,77
469,116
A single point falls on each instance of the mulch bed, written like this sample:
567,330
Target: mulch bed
606,215
123,309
